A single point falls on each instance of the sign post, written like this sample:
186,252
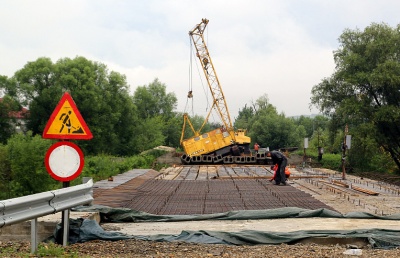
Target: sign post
64,160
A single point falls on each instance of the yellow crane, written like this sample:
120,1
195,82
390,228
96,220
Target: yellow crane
222,144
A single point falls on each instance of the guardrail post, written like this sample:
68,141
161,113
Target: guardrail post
2,208
34,235
65,226
65,219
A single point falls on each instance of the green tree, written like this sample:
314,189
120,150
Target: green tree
245,115
9,104
8,107
364,87
5,173
300,134
149,133
173,129
101,96
270,129
8,87
153,100
320,133
363,145
154,104
307,123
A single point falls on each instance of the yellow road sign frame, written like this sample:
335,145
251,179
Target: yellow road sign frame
66,122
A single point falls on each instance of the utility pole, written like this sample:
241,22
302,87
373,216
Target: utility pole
320,149
344,148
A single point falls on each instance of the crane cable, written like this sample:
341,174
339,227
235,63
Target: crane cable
205,88
190,92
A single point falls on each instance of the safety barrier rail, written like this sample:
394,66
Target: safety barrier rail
33,206
37,205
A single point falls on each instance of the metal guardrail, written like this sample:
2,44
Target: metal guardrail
33,206
29,207
25,208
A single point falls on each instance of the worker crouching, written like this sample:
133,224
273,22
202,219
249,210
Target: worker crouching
281,161
275,168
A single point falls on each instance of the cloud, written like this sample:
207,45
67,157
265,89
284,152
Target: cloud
278,47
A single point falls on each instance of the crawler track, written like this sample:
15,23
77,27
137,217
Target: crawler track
259,158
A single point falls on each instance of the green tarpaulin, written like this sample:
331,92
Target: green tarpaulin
109,214
83,230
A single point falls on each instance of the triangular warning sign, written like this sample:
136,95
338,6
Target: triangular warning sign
66,122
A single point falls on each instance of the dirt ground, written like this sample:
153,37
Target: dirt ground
170,158
149,249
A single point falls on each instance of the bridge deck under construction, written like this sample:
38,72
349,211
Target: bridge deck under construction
200,190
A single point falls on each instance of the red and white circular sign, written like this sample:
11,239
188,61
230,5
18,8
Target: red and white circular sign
64,161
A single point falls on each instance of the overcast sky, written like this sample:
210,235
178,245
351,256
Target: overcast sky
281,48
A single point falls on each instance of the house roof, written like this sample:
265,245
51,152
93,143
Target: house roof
21,114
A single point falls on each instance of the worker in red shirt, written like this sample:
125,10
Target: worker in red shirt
256,147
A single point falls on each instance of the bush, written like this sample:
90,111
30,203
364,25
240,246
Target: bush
28,173
22,169
331,161
5,173
382,163
99,167
103,166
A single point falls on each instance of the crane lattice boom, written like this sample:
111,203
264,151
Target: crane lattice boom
219,102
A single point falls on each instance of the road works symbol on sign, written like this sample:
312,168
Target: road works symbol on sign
66,122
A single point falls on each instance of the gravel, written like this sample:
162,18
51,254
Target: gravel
137,248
